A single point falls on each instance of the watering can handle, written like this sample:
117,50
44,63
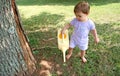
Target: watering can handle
62,37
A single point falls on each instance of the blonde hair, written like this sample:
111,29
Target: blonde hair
83,7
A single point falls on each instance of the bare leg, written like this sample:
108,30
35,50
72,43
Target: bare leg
83,56
69,53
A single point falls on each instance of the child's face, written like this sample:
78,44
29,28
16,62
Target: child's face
81,16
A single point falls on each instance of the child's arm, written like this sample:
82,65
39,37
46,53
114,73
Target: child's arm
64,28
94,32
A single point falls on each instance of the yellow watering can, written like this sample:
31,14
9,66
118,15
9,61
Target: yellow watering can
63,42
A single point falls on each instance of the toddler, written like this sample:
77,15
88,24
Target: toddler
82,26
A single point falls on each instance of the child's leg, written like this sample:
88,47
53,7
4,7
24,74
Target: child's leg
69,53
82,55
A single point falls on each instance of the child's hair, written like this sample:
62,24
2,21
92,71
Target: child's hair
83,7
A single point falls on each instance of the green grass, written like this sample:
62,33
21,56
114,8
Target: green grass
42,18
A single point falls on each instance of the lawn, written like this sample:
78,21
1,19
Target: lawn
42,18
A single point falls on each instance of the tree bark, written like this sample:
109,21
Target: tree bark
16,58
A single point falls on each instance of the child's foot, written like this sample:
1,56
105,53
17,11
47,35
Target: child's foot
84,60
68,56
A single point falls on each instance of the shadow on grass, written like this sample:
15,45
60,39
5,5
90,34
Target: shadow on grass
103,59
41,29
109,36
42,20
63,2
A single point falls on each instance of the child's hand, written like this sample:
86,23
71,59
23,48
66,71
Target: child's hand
62,31
65,27
97,40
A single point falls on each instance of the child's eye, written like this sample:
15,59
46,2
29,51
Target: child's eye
79,16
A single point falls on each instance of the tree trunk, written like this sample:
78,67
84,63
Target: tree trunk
16,58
